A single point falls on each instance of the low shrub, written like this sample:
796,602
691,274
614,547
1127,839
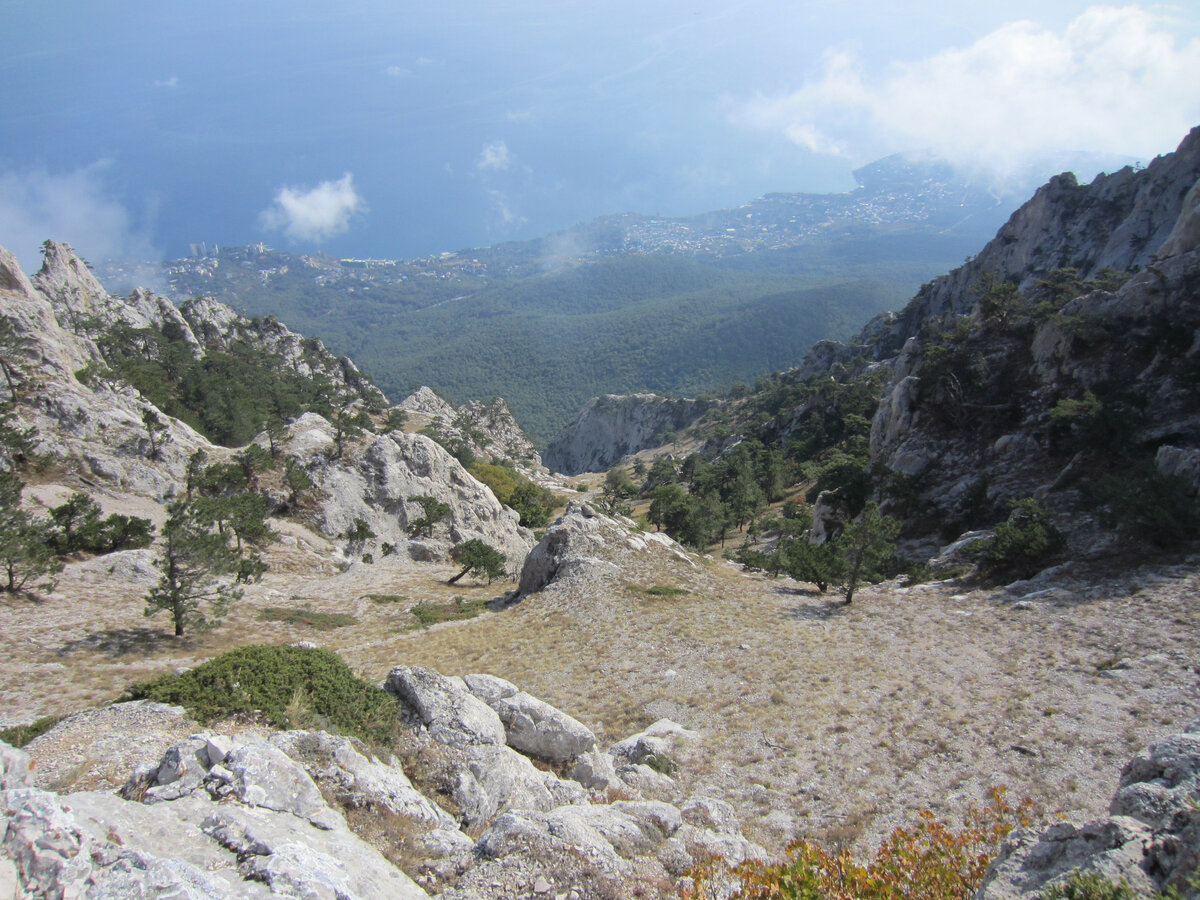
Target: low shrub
665,590
429,613
20,735
1090,886
261,682
307,616
931,860
1023,545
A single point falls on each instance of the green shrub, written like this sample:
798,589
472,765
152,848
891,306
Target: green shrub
387,598
1151,507
305,615
429,613
665,590
1023,545
20,735
1091,886
261,682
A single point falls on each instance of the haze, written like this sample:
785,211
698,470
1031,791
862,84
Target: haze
374,129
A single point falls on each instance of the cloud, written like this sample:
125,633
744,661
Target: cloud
494,157
315,214
506,216
1115,80
75,207
396,72
171,82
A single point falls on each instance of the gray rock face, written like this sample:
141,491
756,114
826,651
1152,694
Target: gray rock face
377,485
985,434
1151,840
611,427
488,428
1119,221
452,714
531,725
570,545
336,762
1160,782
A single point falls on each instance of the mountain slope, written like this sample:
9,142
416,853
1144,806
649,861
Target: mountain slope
625,303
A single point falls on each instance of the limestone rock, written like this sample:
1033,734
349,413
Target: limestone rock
611,427
496,779
452,714
14,767
1160,782
596,772
341,763
1151,839
263,775
1028,862
531,725
377,485
664,740
335,867
570,546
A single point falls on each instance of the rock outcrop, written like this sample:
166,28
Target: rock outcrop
614,426
487,428
582,544
1120,221
306,813
377,484
1151,840
96,430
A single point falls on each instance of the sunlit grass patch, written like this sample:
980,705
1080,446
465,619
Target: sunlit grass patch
429,613
306,616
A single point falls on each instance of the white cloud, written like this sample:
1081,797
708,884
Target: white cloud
74,207
1114,81
315,214
494,157
396,71
171,82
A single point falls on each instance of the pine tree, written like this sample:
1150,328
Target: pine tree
191,561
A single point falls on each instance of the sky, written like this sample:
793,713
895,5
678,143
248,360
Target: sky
374,128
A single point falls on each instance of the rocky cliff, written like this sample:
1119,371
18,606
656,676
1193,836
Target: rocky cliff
1063,354
1118,222
614,426
95,432
487,428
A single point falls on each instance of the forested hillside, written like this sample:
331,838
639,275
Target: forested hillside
624,303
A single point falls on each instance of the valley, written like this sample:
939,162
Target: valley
575,702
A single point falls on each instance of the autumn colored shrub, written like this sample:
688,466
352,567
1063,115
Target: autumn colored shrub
933,859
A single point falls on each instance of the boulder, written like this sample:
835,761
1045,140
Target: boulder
451,713
1029,862
265,776
496,779
14,767
342,764
665,740
1151,840
532,725
1160,782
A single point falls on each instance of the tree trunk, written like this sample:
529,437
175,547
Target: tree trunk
459,575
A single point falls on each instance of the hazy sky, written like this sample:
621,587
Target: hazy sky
401,129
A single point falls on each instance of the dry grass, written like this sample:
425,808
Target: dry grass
817,719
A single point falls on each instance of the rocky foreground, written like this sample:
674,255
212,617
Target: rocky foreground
310,814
